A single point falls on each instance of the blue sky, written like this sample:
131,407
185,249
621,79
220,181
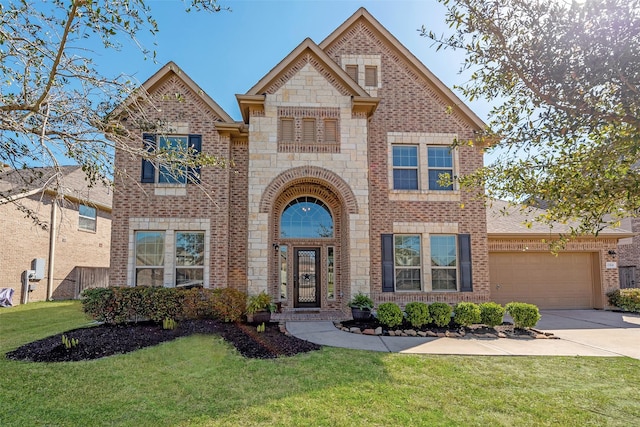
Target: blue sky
228,52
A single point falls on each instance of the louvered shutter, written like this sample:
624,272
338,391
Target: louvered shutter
195,143
371,76
352,70
464,255
286,130
148,173
308,130
330,130
387,263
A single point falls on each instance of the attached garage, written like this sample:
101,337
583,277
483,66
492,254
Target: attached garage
566,281
522,267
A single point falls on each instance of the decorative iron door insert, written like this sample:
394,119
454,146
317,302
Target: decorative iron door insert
306,271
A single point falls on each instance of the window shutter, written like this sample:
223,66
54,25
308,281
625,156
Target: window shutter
308,130
464,255
195,143
352,70
330,131
287,130
371,76
148,170
387,263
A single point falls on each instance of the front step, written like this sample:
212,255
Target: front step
308,314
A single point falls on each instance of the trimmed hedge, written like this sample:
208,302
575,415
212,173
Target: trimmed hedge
417,314
524,315
125,304
491,314
625,299
466,313
440,313
389,314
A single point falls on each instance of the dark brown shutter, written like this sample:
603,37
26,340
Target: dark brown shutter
464,255
148,170
388,264
195,143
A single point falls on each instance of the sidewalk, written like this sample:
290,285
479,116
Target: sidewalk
325,333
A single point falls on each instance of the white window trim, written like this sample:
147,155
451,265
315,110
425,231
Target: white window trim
422,264
455,241
94,219
423,141
191,267
425,230
170,226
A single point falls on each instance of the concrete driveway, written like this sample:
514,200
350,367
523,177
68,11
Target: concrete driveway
610,331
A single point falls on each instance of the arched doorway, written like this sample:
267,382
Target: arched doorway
306,223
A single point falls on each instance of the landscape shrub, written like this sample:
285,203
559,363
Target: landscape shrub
466,313
389,314
524,315
491,314
197,303
625,299
165,303
417,314
440,313
95,302
228,305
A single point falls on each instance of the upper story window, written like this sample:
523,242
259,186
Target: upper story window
440,165
306,217
87,217
309,130
405,167
167,173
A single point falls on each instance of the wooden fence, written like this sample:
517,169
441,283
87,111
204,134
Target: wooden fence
90,277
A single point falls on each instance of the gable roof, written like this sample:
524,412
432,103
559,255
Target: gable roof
363,15
171,69
278,74
68,181
507,220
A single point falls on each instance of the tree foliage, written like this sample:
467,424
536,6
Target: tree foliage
54,101
565,79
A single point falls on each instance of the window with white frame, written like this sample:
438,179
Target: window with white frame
440,168
189,258
149,248
444,265
405,167
172,174
87,217
407,262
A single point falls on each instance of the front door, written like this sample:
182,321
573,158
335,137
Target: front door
306,277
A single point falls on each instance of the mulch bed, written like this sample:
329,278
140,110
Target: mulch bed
105,340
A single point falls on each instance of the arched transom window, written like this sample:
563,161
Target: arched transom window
306,217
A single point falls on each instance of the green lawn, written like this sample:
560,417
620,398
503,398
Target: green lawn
202,381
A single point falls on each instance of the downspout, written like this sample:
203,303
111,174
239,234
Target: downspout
52,247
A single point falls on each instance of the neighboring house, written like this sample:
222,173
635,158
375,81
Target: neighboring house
629,254
67,227
522,268
335,185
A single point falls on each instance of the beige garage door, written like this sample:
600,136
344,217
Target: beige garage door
550,282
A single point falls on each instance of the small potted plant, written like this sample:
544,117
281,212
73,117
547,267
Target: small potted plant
361,306
260,307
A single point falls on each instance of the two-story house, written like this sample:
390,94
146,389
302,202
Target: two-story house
336,183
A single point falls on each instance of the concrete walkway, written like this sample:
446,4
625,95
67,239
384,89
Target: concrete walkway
581,333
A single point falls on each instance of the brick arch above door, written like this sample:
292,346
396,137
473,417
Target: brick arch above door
308,175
